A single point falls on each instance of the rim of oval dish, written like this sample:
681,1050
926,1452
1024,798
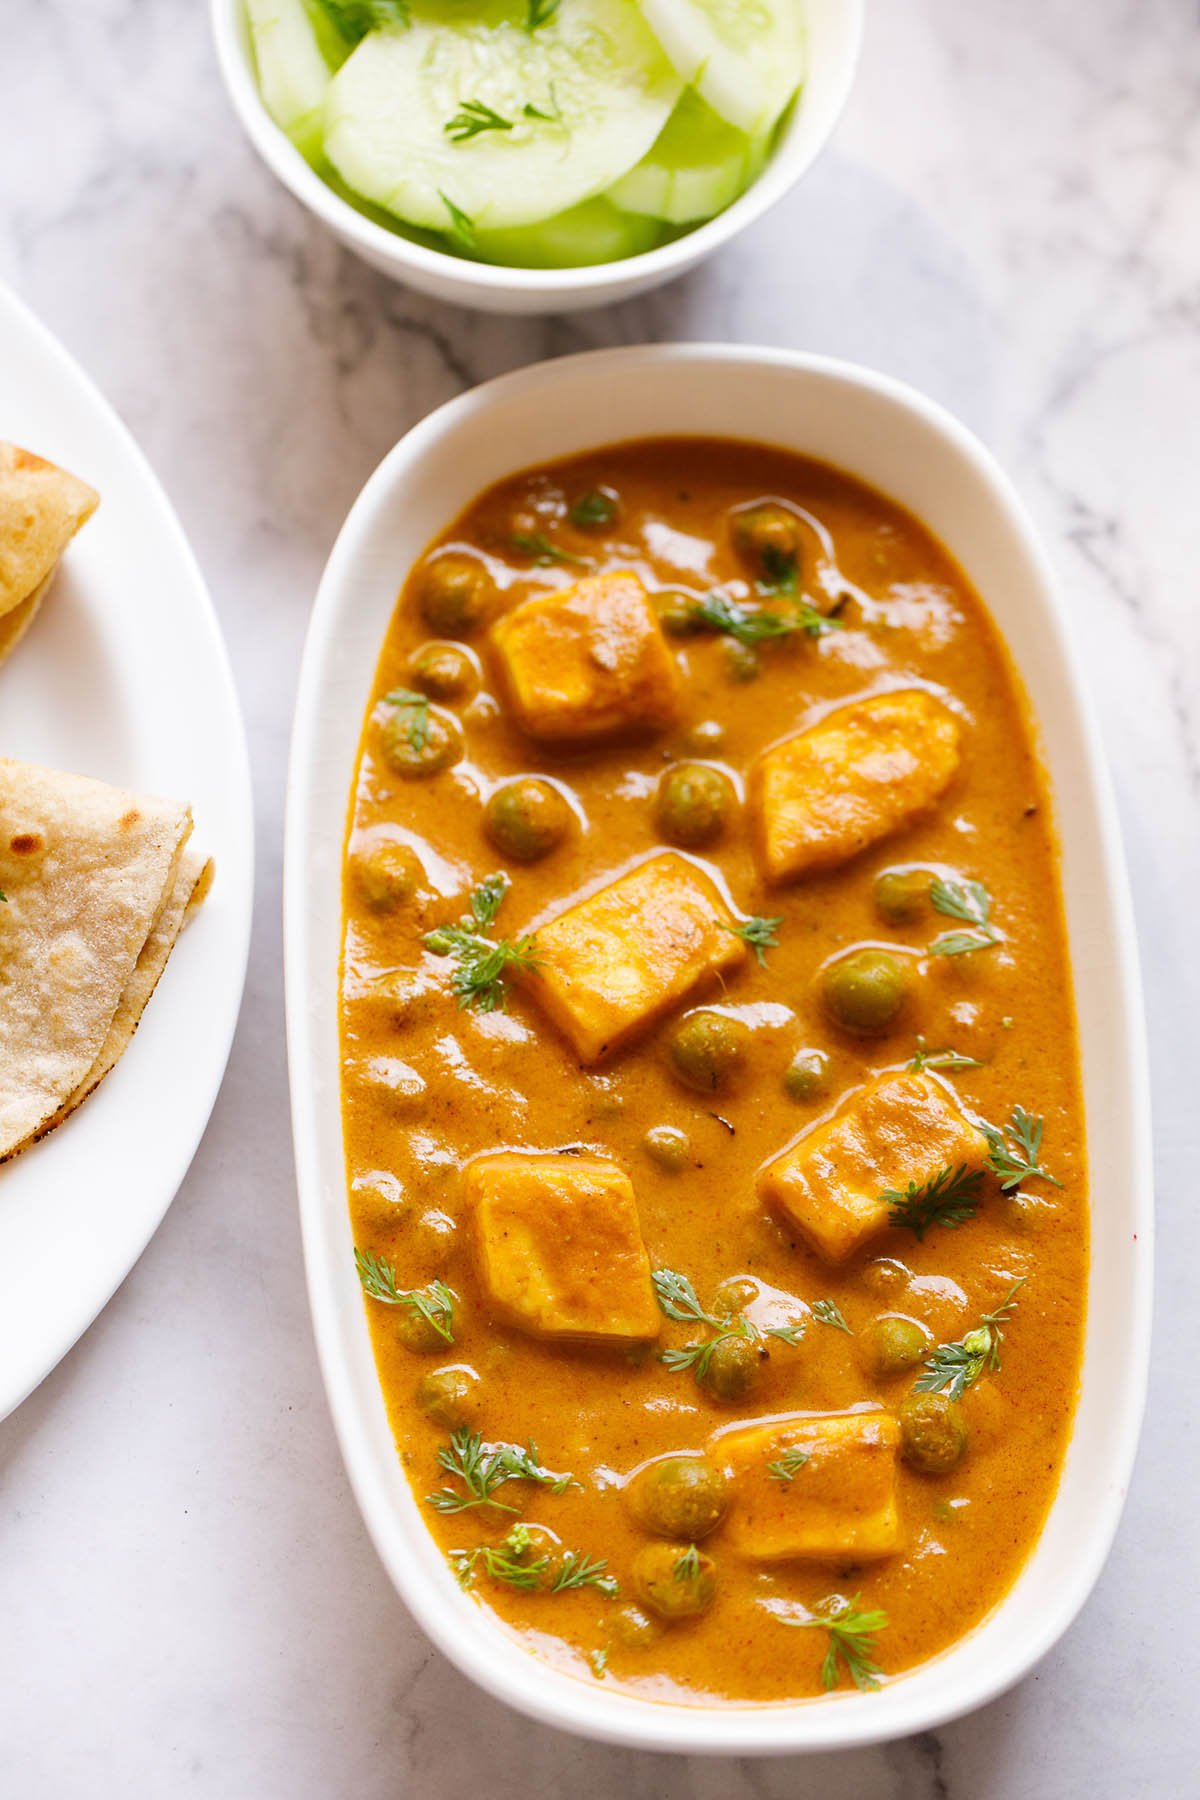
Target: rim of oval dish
785,167
1082,1520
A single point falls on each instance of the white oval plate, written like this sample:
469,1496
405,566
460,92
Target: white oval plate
917,454
123,676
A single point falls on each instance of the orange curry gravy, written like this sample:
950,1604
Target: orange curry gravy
429,1086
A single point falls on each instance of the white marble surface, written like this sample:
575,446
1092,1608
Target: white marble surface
1010,218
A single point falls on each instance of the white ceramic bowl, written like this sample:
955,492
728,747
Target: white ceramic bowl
917,454
834,33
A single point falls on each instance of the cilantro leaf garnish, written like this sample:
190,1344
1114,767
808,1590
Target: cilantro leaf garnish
956,1367
852,1634
483,965
949,1198
434,1303
481,1469
970,902
1016,1150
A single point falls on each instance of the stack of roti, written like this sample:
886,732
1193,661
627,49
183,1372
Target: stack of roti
97,883
41,509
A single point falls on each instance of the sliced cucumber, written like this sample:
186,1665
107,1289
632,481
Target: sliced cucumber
745,57
594,72
592,232
333,46
293,76
694,168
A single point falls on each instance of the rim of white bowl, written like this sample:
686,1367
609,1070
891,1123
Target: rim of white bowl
555,1698
785,167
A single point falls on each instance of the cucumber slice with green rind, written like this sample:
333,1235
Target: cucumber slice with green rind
593,232
696,166
745,57
333,46
293,76
594,72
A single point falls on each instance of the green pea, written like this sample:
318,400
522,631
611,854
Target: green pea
705,737
734,1294
454,594
734,1368
679,1497
533,1544
387,876
741,661
676,613
526,819
766,536
893,1343
708,1050
694,804
674,1583
634,1629
421,741
401,997
432,1237
670,1147
417,1332
885,1275
450,1396
596,510
807,1076
446,671
1026,1212
864,992
933,1433
902,893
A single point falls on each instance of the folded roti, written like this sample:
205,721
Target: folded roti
41,509
89,872
193,878
16,622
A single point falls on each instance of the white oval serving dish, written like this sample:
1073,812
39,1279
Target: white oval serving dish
918,455
123,675
834,33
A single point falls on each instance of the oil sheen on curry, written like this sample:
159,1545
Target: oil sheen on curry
712,1114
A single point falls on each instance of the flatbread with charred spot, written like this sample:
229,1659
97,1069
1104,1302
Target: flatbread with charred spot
41,509
89,873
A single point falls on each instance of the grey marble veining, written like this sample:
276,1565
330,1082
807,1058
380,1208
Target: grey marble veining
1010,219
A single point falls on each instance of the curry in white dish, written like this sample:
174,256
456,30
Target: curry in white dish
713,1128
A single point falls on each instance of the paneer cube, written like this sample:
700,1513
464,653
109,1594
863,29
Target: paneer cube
613,963
818,1486
560,1246
863,772
896,1129
588,662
